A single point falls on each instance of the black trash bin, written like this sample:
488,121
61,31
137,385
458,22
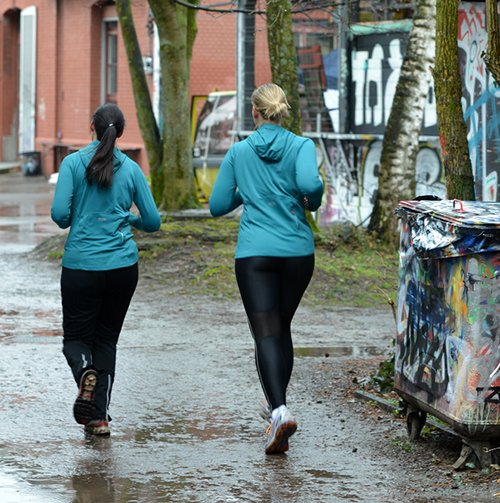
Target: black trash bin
31,163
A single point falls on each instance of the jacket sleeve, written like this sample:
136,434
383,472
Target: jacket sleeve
63,196
149,219
225,196
308,180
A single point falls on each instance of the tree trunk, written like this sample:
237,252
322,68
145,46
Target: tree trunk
448,88
492,55
400,144
142,97
176,31
283,57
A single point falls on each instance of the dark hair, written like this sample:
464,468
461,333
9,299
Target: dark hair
108,123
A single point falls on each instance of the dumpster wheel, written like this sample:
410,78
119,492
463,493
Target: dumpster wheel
415,421
478,452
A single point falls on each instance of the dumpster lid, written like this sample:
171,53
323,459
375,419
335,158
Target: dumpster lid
451,227
473,214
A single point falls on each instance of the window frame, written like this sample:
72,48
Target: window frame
109,30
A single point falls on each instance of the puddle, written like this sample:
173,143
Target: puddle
14,490
338,351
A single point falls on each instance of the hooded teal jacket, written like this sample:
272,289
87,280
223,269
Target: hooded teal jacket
100,237
270,173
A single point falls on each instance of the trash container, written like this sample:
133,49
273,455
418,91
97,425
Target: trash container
31,163
447,354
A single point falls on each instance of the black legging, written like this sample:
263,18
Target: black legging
271,289
95,304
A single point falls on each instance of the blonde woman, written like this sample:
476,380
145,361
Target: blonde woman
274,174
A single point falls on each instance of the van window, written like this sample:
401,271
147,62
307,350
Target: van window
216,119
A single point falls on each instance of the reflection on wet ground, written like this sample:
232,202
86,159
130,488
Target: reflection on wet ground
24,212
14,490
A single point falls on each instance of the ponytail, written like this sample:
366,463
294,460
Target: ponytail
108,123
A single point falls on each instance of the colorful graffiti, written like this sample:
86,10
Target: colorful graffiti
351,170
448,325
481,101
351,165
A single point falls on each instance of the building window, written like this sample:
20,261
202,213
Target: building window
110,60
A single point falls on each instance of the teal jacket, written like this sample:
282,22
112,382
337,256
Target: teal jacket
100,237
270,173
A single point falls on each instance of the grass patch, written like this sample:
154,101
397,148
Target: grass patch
353,269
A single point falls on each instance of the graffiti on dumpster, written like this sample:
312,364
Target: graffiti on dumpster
429,322
493,396
448,323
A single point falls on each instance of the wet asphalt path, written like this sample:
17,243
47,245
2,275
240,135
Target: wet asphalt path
185,426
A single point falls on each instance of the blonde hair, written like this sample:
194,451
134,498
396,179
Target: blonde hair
270,101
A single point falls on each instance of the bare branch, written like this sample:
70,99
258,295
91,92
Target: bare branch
297,7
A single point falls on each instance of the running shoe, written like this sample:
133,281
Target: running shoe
84,407
282,427
97,427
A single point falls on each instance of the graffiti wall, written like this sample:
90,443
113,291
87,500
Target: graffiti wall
447,328
481,101
376,59
351,169
351,166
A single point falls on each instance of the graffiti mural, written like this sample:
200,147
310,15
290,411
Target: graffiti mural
448,324
351,171
350,166
375,67
481,101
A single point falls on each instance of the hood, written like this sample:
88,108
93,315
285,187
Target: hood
88,152
269,142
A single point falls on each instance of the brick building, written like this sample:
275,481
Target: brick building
61,59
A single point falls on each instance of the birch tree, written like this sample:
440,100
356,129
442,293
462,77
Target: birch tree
448,88
400,144
168,150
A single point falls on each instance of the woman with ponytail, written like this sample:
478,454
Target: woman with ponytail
274,174
95,191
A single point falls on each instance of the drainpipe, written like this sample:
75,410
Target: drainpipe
245,64
58,82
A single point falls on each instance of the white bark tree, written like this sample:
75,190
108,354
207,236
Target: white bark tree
400,144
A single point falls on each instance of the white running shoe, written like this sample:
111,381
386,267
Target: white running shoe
282,427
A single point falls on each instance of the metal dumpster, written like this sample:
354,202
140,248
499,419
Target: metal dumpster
447,354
